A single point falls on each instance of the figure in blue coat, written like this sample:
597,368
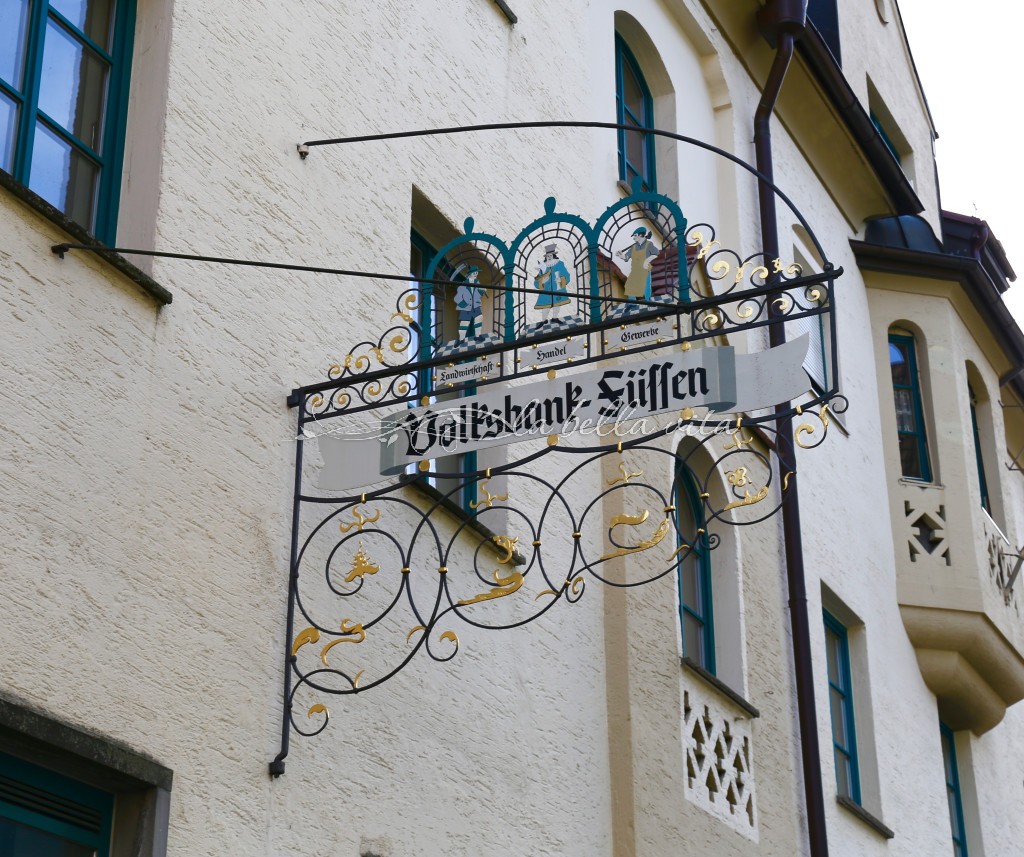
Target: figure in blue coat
551,280
467,302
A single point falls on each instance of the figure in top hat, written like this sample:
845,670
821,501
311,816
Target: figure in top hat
551,281
467,302
641,255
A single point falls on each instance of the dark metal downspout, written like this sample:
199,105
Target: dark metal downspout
782,22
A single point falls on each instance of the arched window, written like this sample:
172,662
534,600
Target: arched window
906,391
695,609
634,107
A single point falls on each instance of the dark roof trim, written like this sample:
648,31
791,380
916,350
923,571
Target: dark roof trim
826,71
982,291
964,235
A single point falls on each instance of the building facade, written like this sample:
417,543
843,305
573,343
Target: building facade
150,463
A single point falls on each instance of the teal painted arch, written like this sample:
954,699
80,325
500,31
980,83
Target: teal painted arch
655,201
470,239
552,217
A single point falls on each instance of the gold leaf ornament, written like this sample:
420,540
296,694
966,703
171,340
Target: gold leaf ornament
505,586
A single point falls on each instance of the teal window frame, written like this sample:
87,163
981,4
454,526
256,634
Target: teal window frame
109,158
57,805
982,482
840,696
953,796
697,562
625,63
921,438
468,495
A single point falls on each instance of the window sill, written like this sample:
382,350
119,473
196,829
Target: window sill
32,200
719,685
920,483
865,816
460,515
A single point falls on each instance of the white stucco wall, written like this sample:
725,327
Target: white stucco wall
149,469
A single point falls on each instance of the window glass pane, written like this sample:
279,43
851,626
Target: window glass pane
14,14
836,703
905,419
693,638
910,456
632,94
832,655
899,362
20,840
8,126
73,85
62,176
92,17
843,784
635,149
689,584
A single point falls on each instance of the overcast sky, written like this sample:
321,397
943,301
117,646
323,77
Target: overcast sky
970,57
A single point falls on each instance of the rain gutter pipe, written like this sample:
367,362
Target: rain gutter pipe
782,22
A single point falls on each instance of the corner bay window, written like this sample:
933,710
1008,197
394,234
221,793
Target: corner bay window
63,100
982,482
906,391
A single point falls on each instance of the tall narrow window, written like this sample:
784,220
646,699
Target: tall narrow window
695,613
906,390
840,696
634,107
434,305
977,451
956,808
63,100
43,813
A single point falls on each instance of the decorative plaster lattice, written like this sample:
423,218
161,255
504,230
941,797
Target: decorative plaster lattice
926,532
1000,565
719,778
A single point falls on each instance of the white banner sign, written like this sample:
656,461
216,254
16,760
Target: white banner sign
644,333
712,377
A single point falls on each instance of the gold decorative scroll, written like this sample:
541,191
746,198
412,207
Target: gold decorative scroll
626,474
489,498
634,521
350,630
359,520
506,586
748,499
361,565
307,635
507,546
741,439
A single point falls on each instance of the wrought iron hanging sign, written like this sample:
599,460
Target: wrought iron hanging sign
458,469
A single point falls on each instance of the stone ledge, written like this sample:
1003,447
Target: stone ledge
720,686
856,809
29,730
39,205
